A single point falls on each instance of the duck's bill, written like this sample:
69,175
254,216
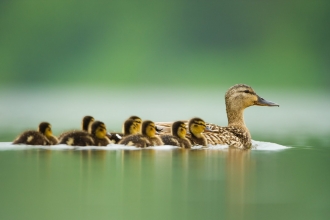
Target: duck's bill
264,102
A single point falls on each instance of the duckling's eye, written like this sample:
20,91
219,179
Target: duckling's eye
247,91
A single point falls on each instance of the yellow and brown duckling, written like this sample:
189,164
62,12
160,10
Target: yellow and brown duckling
117,137
97,137
236,134
196,128
146,139
178,136
43,136
137,121
130,126
86,124
99,132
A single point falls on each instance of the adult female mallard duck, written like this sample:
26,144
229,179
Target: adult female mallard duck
236,134
97,137
146,139
177,136
116,137
86,124
43,136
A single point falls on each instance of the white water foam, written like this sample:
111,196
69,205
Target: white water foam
256,145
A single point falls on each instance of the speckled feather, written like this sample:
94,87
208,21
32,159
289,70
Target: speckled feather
77,138
32,138
137,140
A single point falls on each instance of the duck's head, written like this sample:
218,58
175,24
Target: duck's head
46,129
86,123
137,120
149,128
196,126
98,129
179,129
130,127
241,96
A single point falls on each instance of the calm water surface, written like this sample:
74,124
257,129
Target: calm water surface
269,182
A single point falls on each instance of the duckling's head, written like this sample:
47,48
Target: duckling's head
130,127
196,126
98,129
149,128
86,123
241,96
46,129
179,129
137,120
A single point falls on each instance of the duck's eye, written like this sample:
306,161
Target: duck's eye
247,91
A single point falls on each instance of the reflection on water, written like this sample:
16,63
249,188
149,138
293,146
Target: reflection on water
238,164
164,184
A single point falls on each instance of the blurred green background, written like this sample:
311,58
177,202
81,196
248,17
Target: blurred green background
172,42
161,60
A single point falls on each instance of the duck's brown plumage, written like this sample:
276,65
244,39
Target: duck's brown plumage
77,138
236,134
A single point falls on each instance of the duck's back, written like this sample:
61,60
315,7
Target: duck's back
232,136
65,133
170,140
32,138
138,140
175,141
77,138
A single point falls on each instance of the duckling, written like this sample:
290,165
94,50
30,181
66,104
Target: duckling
86,124
236,134
138,122
97,137
99,133
146,139
130,126
149,130
196,128
116,137
178,136
43,136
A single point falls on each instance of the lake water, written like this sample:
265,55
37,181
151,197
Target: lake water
286,179
114,182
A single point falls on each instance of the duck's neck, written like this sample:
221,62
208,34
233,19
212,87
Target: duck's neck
235,117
